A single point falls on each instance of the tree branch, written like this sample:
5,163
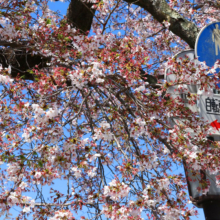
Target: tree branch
80,15
161,11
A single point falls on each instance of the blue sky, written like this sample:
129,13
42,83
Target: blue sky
62,7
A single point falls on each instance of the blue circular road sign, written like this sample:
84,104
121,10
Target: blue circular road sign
207,46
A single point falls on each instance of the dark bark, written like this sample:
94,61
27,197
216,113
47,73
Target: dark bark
21,62
80,15
148,78
161,11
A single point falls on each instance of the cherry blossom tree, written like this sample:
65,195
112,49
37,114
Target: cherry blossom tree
83,102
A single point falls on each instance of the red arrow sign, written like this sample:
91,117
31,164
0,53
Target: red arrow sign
215,124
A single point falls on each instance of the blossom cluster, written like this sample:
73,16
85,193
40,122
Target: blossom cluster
92,122
116,190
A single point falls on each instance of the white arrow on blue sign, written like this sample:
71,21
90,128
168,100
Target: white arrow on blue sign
207,47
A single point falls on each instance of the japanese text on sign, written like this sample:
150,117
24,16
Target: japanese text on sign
212,105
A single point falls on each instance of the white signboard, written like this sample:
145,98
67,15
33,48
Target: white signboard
208,107
173,90
210,110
